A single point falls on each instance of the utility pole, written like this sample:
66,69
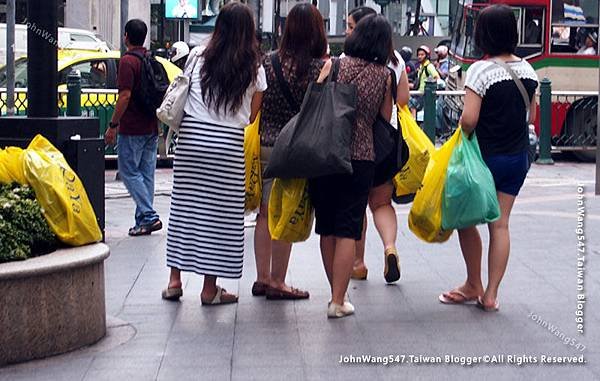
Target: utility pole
124,17
10,57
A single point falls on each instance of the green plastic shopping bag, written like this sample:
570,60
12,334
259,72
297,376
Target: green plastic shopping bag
469,192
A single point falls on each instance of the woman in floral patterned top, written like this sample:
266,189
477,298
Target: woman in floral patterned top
340,201
300,56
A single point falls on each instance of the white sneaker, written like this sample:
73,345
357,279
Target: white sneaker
335,311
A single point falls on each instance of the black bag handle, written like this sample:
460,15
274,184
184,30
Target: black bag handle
283,85
335,69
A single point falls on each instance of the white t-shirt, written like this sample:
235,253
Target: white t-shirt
196,107
398,69
587,51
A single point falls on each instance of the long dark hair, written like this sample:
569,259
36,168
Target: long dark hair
231,59
371,40
303,38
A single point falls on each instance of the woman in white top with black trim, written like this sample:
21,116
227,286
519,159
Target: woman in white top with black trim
497,109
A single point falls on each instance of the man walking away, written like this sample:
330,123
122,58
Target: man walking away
138,132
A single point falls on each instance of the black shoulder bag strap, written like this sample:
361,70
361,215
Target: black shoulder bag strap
519,84
283,85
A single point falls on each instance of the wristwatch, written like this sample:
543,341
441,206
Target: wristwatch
113,125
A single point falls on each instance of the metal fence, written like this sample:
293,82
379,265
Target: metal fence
573,116
97,103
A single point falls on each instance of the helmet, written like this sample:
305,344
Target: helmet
442,49
406,53
179,50
425,48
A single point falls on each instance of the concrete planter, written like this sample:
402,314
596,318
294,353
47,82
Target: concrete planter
52,304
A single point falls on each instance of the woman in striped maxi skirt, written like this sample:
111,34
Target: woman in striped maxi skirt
206,223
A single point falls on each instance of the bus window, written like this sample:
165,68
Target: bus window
571,23
533,24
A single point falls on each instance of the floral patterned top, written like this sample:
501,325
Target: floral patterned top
276,111
370,79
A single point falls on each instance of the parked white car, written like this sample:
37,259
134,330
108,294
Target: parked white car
68,38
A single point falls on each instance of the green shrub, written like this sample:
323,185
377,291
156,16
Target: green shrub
24,231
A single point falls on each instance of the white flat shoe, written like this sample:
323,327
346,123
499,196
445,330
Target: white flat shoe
335,311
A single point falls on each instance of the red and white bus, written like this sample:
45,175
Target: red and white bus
551,34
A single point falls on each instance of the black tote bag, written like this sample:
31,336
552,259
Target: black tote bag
391,151
316,141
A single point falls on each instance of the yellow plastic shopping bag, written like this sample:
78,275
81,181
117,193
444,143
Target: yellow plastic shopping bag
420,148
425,217
290,211
11,166
61,194
252,165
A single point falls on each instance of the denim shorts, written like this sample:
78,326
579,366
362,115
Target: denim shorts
509,171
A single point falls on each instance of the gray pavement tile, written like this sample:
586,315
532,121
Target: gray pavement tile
455,372
275,373
349,372
392,334
289,359
52,368
118,361
206,360
266,312
128,374
179,373
563,372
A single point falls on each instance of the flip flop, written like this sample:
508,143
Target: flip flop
221,297
465,300
482,306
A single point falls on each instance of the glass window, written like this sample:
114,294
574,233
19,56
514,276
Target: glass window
81,38
571,12
20,74
533,25
93,74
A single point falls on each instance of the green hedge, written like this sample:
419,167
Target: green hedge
24,232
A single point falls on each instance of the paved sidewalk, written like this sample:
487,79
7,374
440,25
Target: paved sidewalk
150,339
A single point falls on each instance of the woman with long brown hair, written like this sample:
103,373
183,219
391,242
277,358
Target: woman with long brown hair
206,224
289,70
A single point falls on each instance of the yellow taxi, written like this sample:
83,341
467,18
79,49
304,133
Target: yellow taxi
98,72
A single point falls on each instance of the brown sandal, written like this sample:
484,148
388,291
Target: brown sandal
259,289
277,294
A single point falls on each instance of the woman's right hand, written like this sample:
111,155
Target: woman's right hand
325,71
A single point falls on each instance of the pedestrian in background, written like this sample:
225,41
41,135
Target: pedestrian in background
178,54
380,196
298,61
206,225
496,110
138,133
340,201
426,70
441,63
